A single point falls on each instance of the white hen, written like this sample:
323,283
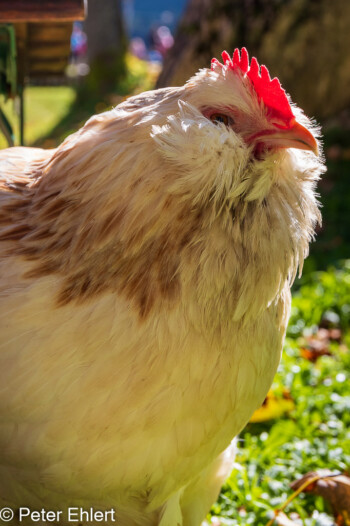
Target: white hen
145,273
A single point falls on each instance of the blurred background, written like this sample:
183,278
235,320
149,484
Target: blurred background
60,62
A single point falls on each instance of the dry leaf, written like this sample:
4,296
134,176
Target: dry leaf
334,488
273,407
312,353
330,334
318,344
214,521
283,520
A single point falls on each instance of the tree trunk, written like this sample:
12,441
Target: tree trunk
303,42
107,44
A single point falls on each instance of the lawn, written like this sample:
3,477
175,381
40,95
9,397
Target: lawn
44,107
315,432
53,112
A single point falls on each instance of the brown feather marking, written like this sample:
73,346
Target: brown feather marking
146,303
86,246
144,278
55,208
38,235
169,284
14,233
14,206
48,267
111,223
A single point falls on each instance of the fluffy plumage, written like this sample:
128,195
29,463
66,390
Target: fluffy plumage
145,274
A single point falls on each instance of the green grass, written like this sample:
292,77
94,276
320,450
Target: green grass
53,112
44,108
316,433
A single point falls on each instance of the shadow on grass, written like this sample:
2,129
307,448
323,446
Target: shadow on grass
81,109
88,102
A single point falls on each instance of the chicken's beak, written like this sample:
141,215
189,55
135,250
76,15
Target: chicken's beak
297,136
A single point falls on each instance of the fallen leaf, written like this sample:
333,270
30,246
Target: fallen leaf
273,407
283,520
334,488
318,344
329,334
313,352
214,521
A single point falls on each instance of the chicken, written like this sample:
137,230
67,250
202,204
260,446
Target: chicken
146,266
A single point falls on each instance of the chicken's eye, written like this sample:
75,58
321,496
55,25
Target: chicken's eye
220,118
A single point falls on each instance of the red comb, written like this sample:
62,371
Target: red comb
270,91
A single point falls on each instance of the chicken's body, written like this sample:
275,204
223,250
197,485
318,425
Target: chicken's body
144,295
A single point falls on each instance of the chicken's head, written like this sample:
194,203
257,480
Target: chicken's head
272,110
239,122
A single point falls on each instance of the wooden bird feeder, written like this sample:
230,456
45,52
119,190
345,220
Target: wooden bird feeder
34,47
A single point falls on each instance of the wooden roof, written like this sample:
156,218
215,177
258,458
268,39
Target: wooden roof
41,10
43,29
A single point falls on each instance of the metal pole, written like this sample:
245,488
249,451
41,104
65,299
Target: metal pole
21,115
